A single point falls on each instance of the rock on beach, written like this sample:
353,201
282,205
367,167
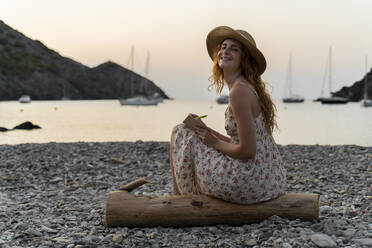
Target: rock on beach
54,195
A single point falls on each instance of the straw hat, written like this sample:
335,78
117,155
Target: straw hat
221,33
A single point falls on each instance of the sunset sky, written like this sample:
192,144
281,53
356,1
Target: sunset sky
174,32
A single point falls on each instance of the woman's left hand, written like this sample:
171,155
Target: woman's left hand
206,136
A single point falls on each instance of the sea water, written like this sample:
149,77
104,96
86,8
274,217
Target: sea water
106,120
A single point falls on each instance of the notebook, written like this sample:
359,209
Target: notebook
191,122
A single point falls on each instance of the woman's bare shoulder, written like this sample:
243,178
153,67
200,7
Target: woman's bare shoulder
243,90
243,96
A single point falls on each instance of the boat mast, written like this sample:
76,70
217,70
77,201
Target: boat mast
131,64
365,80
131,58
146,72
330,71
147,64
288,85
324,77
290,75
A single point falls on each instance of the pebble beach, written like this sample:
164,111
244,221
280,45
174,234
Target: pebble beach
54,195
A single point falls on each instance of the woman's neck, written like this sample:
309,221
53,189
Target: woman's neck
231,77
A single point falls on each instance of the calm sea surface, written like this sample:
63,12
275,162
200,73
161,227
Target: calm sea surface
106,120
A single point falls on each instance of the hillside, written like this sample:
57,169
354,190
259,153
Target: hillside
29,67
355,92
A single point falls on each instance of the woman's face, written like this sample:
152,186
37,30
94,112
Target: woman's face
229,56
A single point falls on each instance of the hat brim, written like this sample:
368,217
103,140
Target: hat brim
219,34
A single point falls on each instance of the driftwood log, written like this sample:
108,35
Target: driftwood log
125,209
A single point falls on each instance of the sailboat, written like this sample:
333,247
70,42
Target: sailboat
139,100
332,99
366,102
25,99
156,96
291,98
223,99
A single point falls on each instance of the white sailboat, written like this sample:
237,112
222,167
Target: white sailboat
331,99
25,99
223,99
139,100
156,96
289,96
366,102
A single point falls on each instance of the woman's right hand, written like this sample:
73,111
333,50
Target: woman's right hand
215,133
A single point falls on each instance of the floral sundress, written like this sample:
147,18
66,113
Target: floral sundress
200,169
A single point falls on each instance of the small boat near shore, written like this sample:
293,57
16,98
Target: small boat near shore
142,99
139,101
290,97
224,99
367,103
293,99
24,99
331,99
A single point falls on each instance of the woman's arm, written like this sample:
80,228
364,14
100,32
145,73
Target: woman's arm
241,101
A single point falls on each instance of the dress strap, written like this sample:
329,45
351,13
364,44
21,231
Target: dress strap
255,92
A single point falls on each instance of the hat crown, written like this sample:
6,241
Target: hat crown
247,36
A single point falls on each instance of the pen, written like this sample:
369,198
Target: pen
202,116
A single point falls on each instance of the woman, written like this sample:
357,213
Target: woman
245,167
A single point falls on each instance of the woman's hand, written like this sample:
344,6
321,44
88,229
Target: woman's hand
207,137
196,117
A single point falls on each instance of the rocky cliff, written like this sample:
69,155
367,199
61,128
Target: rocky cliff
29,67
355,92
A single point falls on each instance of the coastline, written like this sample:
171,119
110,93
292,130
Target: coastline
54,194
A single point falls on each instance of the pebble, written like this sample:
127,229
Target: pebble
330,227
286,245
34,232
349,211
49,230
364,242
21,226
323,240
251,242
323,210
61,240
117,238
349,233
54,195
213,229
